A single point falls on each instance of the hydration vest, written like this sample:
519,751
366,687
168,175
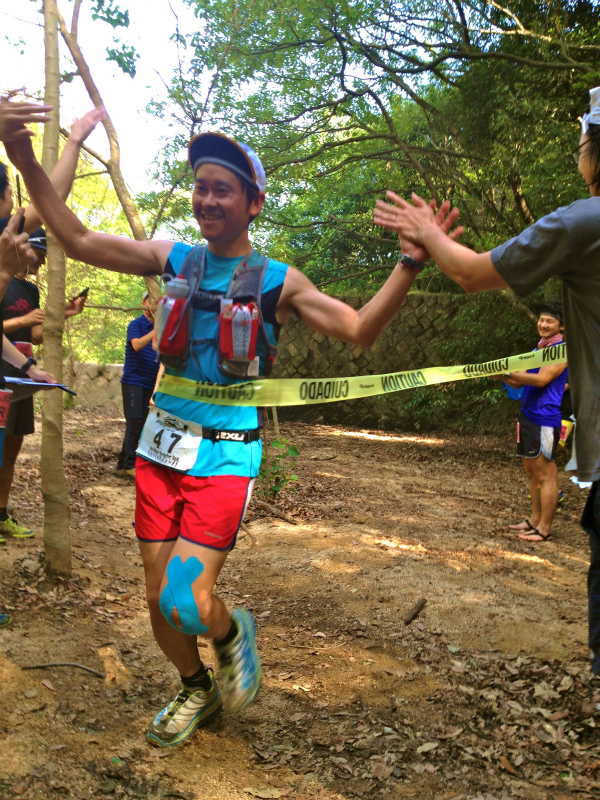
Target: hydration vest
240,323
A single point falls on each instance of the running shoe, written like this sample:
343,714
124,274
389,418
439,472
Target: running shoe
560,496
10,527
241,670
5,619
190,710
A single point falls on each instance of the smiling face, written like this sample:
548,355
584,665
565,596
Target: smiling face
549,326
222,210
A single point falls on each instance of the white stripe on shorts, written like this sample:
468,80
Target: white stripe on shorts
546,441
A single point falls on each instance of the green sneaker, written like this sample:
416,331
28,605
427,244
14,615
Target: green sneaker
190,710
5,619
11,527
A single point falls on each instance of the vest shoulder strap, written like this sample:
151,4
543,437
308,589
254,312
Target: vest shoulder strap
192,268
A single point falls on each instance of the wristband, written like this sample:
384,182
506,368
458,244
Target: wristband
411,263
31,362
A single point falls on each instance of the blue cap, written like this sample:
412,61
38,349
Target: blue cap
38,239
216,148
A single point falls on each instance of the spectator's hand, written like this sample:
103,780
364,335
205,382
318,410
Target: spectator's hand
408,220
40,376
151,403
81,128
74,306
15,116
15,251
35,317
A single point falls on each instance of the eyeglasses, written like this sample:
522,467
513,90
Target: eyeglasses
575,155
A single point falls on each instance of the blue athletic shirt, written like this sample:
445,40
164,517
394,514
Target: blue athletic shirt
542,405
141,366
220,458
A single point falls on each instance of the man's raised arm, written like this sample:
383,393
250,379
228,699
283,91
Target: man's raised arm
334,318
116,253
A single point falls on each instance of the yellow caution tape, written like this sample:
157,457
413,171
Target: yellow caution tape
296,392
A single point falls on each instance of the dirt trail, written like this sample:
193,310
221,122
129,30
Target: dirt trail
487,693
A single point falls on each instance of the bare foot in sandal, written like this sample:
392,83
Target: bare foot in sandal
524,527
535,535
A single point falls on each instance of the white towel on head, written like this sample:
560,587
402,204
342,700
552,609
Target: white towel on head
593,118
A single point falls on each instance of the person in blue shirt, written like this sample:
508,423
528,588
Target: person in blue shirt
538,429
197,462
137,384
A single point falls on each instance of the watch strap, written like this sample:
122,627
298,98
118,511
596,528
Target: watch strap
411,263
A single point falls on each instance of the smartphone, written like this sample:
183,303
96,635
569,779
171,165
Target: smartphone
83,293
22,223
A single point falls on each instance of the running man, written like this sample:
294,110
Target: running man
565,244
187,518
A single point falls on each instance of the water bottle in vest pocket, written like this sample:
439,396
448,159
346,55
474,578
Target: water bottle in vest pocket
238,334
172,319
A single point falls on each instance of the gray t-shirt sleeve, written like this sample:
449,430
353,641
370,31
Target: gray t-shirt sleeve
552,246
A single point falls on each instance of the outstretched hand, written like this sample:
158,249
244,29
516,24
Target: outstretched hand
15,250
409,221
15,116
81,128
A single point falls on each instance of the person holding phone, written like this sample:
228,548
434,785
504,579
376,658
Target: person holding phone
14,252
22,324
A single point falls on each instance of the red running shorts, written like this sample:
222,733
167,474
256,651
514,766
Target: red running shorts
206,511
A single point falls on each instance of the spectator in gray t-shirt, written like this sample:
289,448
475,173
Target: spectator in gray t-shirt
565,244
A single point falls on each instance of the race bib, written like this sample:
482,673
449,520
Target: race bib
170,441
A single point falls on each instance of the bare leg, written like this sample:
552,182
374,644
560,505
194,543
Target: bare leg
545,475
536,502
12,446
181,648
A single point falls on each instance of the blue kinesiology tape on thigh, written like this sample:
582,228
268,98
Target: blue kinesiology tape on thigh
178,594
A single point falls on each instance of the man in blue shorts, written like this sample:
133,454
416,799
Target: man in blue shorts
137,384
538,429
199,461
564,244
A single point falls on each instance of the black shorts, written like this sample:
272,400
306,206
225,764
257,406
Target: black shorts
20,418
534,439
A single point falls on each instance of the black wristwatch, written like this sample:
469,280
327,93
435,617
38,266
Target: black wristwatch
411,263
31,362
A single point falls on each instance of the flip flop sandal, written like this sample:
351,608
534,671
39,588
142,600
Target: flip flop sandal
544,537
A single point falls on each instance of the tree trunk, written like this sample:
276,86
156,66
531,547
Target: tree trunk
57,537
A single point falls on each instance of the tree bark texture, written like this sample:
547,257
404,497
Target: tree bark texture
57,536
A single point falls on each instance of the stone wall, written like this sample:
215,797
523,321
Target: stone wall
97,385
411,341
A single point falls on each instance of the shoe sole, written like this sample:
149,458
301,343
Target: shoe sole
199,722
23,535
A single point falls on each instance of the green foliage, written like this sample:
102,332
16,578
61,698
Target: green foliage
108,11
125,57
277,468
